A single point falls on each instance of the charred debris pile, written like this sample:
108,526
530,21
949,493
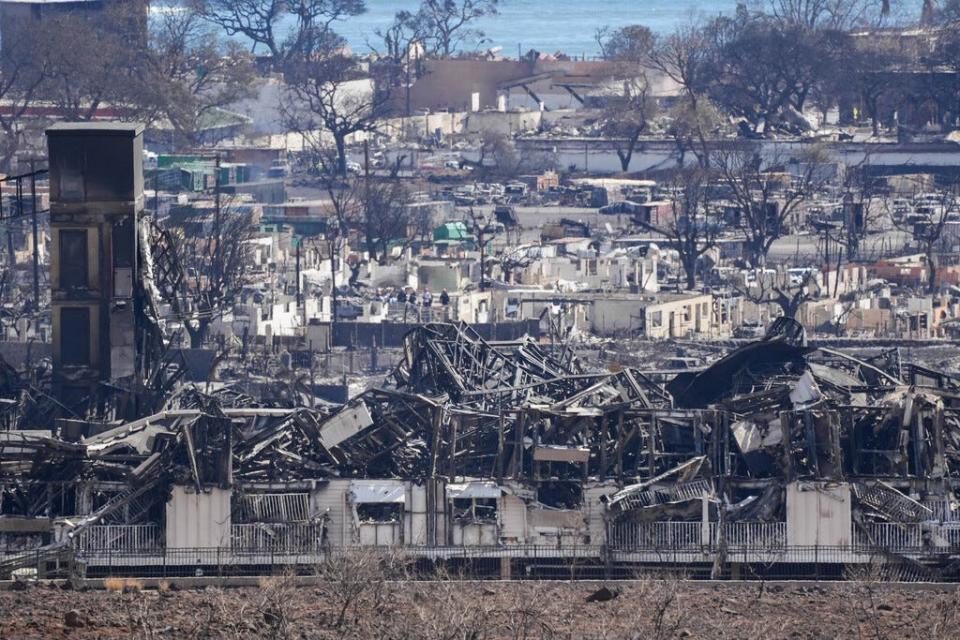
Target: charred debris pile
736,433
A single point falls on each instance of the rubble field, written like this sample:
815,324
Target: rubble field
478,610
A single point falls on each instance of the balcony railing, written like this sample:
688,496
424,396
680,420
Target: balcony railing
121,537
763,535
690,535
293,537
305,537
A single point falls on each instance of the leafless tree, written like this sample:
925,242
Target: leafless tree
188,73
446,607
688,227
630,44
375,210
270,610
942,81
764,71
176,68
836,15
693,124
89,59
405,32
447,24
512,259
948,12
779,287
483,232
500,160
20,316
870,81
329,95
629,110
866,582
498,154
790,289
343,213
385,217
19,84
840,320
666,615
861,213
287,29
358,578
521,616
755,187
928,234
684,57
627,117
657,612
204,274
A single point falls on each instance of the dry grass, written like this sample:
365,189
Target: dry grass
362,595
113,584
123,585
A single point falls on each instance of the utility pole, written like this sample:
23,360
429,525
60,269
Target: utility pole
218,252
333,240
36,237
313,377
366,166
299,299
18,186
366,184
408,89
216,189
6,226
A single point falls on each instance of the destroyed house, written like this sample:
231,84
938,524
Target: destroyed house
773,450
775,454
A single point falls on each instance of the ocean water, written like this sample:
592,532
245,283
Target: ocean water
548,26
551,26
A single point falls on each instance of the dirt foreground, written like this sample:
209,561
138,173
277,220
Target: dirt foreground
279,608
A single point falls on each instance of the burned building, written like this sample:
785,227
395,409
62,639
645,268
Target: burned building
93,214
778,454
100,324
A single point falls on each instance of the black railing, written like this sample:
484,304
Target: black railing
522,562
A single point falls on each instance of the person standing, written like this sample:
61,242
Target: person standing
407,301
445,305
427,301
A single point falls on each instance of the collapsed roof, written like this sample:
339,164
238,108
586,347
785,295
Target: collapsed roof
457,406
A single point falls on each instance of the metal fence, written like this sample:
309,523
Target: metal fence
696,535
291,537
525,562
916,551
